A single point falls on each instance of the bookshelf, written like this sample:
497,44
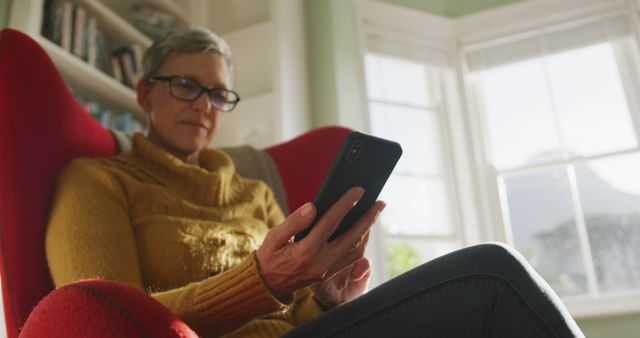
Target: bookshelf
268,41
93,83
269,56
86,80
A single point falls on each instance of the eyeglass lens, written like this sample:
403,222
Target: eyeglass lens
188,89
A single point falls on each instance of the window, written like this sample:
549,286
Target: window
559,122
552,115
405,105
412,95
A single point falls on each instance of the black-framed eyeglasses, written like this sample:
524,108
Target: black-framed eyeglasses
186,89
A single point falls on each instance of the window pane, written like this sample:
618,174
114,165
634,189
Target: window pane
610,195
592,108
418,133
395,80
405,254
416,206
544,228
520,119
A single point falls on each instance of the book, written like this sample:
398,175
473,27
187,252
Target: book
92,42
105,118
66,34
129,64
116,68
138,53
48,17
79,30
58,13
124,122
103,56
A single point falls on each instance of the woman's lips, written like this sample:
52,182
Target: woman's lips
196,124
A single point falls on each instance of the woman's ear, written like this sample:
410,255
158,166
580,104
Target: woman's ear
142,94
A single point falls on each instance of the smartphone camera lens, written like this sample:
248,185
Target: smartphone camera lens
354,151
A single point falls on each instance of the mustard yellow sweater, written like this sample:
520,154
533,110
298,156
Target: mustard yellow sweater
185,234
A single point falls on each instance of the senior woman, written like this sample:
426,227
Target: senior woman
171,217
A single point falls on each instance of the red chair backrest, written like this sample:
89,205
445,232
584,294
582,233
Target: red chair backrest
304,161
42,128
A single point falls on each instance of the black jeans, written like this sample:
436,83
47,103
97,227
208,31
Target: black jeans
486,290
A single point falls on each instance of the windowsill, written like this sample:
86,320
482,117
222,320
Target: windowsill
587,307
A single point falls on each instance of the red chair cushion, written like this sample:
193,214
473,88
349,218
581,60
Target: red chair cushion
42,127
98,308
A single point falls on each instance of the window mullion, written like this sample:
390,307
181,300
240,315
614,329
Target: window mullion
433,107
381,260
583,236
554,105
492,217
627,71
538,166
436,77
504,208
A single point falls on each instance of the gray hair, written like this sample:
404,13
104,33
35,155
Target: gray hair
183,41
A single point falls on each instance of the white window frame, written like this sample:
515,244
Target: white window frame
435,34
503,23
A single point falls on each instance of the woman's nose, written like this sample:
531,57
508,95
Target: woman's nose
203,102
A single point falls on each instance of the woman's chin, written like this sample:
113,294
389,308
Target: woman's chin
193,145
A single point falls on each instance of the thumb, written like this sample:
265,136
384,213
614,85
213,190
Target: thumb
360,269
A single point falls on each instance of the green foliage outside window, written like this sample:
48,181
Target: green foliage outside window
401,258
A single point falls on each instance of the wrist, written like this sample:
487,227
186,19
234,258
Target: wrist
282,297
321,304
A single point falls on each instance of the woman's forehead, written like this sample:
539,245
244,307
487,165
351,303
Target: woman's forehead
210,69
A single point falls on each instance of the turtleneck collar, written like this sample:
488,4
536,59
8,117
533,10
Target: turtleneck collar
208,183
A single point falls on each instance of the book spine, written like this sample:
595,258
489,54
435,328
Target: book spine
124,122
67,26
92,42
79,27
127,63
58,18
138,53
106,118
48,13
116,69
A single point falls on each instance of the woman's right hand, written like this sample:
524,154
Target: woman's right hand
287,266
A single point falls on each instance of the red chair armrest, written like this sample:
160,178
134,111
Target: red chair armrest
100,308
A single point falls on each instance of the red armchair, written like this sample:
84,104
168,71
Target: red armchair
42,128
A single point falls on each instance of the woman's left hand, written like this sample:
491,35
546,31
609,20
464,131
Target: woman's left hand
349,283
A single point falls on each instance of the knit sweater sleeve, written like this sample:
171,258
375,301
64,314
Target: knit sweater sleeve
89,235
306,307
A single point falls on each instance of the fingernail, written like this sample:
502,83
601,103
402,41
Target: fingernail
306,209
357,193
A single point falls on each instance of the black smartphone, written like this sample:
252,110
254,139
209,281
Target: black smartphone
363,160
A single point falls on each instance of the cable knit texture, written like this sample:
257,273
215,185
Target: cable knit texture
185,234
